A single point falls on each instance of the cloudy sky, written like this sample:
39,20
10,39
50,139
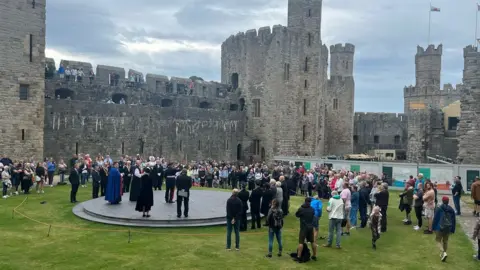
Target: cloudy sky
183,37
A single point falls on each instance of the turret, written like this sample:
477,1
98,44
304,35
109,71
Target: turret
428,65
305,15
341,58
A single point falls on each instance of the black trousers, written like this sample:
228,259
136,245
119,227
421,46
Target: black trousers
126,184
185,200
73,193
50,178
256,219
95,190
383,223
103,187
158,184
169,189
418,214
243,223
478,256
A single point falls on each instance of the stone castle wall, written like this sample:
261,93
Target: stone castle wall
469,126
22,69
178,132
391,129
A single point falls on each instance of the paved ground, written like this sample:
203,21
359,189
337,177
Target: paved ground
467,221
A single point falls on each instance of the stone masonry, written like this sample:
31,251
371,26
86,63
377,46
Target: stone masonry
22,69
282,73
468,131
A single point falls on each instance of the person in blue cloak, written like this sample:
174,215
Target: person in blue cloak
113,192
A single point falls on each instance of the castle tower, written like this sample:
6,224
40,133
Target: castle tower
305,15
340,106
22,79
428,66
304,19
468,132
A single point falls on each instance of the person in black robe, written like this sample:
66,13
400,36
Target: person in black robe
157,176
103,179
145,197
127,171
96,180
170,175
285,194
255,202
136,184
243,195
183,184
202,175
74,179
268,196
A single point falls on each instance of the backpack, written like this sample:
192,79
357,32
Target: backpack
277,218
446,222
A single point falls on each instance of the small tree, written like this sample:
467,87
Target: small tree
196,78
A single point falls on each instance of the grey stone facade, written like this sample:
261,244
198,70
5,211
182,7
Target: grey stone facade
175,118
469,126
22,71
282,74
379,131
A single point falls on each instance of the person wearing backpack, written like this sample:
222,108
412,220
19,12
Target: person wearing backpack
275,225
444,225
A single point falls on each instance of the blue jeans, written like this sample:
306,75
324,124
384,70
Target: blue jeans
278,235
353,216
235,227
62,177
456,202
334,224
84,178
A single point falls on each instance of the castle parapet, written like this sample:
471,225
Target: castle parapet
109,75
86,67
157,83
384,117
430,50
340,48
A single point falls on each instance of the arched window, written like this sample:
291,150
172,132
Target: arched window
376,139
397,139
355,139
239,151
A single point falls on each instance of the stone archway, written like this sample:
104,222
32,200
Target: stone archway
242,104
64,93
205,105
234,80
119,98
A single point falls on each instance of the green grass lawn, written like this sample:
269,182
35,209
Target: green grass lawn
80,244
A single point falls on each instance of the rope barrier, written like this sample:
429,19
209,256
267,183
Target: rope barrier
120,230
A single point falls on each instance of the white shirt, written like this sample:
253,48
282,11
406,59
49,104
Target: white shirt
68,72
137,173
339,185
74,72
335,208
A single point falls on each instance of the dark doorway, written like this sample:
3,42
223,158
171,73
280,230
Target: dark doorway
262,154
239,151
63,93
233,107
242,104
235,80
76,148
119,98
167,102
471,174
142,144
388,171
205,105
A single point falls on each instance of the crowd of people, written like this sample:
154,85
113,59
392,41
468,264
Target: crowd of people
262,189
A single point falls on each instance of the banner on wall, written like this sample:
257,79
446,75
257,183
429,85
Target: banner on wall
401,174
307,165
425,172
441,176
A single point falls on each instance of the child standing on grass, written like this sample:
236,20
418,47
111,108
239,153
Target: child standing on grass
476,236
375,221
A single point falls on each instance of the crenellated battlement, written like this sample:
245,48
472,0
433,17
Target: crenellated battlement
106,77
263,35
448,90
370,116
430,50
470,51
340,48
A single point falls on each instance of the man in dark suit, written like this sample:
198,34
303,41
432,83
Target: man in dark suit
183,184
74,179
96,179
243,195
170,175
157,176
255,202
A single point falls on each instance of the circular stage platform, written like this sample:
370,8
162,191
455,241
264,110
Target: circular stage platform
206,208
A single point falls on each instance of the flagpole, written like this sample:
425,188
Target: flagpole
429,22
476,25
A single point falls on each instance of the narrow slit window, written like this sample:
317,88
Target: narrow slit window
31,48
